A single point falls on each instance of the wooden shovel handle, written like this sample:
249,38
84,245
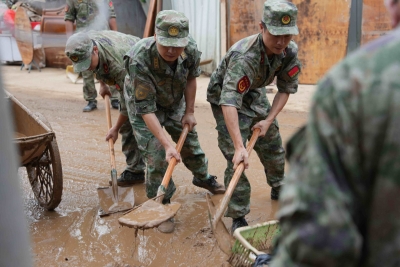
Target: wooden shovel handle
109,125
172,161
232,185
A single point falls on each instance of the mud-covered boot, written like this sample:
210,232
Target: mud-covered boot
237,223
115,104
169,225
275,191
90,106
210,184
128,178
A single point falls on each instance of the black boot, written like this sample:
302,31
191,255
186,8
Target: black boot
210,184
90,106
238,222
128,178
115,104
275,191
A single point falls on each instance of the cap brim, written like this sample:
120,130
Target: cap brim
274,30
82,65
175,42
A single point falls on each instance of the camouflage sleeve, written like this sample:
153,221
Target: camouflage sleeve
112,11
316,201
70,11
119,85
194,66
288,76
142,92
237,81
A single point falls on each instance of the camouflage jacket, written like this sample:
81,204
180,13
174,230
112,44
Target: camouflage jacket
338,204
155,86
112,47
242,74
87,11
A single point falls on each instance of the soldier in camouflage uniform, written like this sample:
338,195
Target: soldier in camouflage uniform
102,52
161,93
238,100
338,205
91,15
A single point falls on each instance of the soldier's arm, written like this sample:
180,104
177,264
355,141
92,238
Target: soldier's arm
69,17
190,97
279,102
237,82
155,128
142,103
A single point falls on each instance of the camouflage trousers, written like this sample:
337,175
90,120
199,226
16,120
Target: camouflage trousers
89,89
153,153
268,148
134,161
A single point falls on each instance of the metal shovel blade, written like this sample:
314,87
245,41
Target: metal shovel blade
126,200
150,214
222,235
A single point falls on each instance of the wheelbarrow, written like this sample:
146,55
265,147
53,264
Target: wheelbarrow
38,150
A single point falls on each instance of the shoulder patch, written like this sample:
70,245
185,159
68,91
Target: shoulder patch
293,71
262,58
141,92
110,3
156,64
183,55
117,87
243,84
105,68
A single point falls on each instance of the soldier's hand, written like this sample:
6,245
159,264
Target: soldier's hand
263,126
240,155
171,152
113,134
189,119
104,90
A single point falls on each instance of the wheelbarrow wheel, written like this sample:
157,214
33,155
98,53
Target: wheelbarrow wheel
45,177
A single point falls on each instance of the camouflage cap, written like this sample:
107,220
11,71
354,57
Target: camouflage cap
79,48
172,28
280,17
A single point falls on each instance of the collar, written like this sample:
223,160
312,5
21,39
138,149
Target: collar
263,53
158,62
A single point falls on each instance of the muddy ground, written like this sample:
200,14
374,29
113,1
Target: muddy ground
74,235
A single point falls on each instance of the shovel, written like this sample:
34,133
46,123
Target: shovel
152,213
224,239
114,199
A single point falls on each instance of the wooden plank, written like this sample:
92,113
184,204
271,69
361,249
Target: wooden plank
23,35
375,22
224,40
322,41
159,6
151,16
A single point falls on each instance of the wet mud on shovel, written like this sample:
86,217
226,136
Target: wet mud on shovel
115,198
222,235
152,212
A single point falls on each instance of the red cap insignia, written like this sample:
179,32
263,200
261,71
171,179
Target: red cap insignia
293,71
243,84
